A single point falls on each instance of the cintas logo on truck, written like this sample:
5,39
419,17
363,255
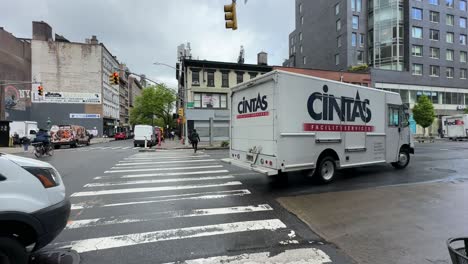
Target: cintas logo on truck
346,109
253,107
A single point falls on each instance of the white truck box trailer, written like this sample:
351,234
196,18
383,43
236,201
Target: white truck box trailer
455,127
24,129
282,122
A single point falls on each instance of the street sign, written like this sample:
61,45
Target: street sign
190,104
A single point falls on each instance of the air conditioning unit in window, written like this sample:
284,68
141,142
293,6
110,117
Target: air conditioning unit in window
195,83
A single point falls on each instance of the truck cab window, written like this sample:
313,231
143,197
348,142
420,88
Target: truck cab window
393,116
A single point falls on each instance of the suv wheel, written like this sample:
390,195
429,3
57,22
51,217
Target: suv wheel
12,251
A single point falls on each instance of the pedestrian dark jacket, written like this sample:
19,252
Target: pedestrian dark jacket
194,137
42,136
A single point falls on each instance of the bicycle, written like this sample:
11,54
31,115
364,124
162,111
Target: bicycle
40,149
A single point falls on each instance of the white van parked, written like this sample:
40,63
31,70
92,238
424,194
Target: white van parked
144,133
455,127
33,206
282,122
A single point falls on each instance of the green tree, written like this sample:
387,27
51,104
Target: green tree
465,110
154,107
423,112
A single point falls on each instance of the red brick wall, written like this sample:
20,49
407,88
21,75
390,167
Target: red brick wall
348,77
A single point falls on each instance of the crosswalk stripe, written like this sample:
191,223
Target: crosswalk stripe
136,147
126,148
159,158
104,184
101,243
168,198
116,148
164,162
165,215
162,174
298,256
154,189
169,168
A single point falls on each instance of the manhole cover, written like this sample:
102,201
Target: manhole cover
62,256
443,170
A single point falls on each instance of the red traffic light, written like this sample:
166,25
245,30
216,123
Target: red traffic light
116,74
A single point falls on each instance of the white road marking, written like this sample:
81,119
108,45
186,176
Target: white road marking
297,256
106,148
154,189
444,149
116,148
164,168
164,162
136,147
162,174
159,158
169,198
104,184
165,215
126,148
101,243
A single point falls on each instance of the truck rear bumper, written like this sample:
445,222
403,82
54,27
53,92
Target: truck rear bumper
248,166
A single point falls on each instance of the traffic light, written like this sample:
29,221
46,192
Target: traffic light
114,78
230,15
40,90
181,112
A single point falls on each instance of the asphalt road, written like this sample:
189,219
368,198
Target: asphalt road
173,206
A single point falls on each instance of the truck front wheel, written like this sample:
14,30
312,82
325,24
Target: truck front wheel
403,159
326,170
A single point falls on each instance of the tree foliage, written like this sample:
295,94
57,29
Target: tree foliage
423,112
359,68
465,110
154,107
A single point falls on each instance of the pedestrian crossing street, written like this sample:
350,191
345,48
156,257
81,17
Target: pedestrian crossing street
177,207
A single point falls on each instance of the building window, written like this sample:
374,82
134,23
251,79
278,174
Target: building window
417,69
353,39
450,20
417,32
208,100
292,40
225,79
463,73
356,5
302,20
240,77
197,100
253,74
462,22
463,56
434,16
195,78
300,36
355,22
449,37
338,25
449,55
337,59
361,40
337,9
211,82
300,48
434,34
449,3
338,41
417,13
434,2
360,57
449,72
417,50
300,8
462,5
304,60
434,53
434,71
462,39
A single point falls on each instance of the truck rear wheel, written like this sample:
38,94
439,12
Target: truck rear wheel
326,170
403,159
12,251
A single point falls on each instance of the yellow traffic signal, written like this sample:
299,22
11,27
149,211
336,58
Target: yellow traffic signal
40,90
116,78
230,15
181,112
111,79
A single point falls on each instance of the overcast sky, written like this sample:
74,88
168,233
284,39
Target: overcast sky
144,31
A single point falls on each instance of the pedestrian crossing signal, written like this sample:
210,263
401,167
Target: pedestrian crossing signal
40,90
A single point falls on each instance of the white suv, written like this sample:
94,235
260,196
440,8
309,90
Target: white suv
33,207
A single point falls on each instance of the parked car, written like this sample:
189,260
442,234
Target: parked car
69,135
120,135
33,206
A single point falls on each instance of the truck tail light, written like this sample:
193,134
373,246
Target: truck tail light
271,163
47,176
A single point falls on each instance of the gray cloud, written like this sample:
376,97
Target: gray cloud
142,32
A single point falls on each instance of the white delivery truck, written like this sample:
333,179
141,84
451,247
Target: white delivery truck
282,122
455,127
24,129
144,133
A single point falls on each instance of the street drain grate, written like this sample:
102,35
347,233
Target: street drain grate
442,170
61,256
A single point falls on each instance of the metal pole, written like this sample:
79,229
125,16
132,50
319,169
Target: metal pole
2,101
211,131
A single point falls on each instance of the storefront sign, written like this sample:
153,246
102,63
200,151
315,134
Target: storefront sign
85,116
68,98
190,104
